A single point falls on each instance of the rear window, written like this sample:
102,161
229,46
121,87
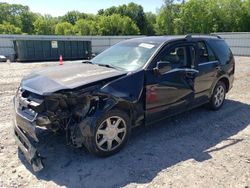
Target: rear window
222,50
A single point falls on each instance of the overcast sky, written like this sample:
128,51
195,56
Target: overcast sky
60,7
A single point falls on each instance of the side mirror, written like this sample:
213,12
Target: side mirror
163,67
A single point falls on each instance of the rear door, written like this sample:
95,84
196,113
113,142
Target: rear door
208,66
171,92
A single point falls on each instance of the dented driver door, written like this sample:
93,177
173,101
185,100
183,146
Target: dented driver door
171,92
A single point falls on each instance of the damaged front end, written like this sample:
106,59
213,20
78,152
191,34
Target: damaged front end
74,112
60,111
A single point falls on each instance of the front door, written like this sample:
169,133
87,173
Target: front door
169,93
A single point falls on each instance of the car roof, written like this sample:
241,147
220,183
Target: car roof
164,39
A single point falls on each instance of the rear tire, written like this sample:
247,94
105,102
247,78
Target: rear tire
111,134
218,96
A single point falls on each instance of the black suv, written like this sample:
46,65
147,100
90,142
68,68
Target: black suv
135,82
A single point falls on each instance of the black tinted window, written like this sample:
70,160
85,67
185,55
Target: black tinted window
192,56
211,55
221,49
202,52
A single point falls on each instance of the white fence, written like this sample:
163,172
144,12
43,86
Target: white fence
238,42
99,43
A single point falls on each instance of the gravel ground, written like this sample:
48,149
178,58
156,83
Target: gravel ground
199,148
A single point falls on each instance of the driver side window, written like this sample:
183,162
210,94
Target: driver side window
177,57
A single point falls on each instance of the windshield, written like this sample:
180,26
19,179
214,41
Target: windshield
126,56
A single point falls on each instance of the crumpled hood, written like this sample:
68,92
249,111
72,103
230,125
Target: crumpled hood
68,76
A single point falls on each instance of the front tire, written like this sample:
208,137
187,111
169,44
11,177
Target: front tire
111,134
218,96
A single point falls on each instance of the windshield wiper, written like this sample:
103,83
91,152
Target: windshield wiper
107,65
87,62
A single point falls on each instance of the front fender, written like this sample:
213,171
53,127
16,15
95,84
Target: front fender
88,124
127,88
125,93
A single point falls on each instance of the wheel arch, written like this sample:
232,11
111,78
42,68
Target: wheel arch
225,80
134,111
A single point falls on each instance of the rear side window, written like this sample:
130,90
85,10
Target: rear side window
202,52
205,53
211,55
222,50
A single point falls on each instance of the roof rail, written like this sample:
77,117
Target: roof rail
216,36
189,35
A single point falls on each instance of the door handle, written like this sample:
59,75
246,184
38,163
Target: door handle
190,74
217,65
218,68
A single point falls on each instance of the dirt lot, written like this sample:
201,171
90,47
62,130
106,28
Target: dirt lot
199,148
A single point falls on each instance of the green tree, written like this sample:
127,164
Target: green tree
166,16
18,15
27,19
160,26
195,17
86,27
206,16
136,13
45,25
174,17
64,28
169,16
7,28
133,11
117,25
150,23
108,11
71,17
245,21
178,26
231,15
11,13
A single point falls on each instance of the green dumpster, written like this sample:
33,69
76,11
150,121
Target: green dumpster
50,50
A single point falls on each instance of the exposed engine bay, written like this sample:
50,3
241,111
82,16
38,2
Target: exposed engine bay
61,111
73,112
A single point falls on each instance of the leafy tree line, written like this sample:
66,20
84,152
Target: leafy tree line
174,17
203,16
18,19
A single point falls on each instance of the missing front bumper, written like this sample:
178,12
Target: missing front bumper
30,152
